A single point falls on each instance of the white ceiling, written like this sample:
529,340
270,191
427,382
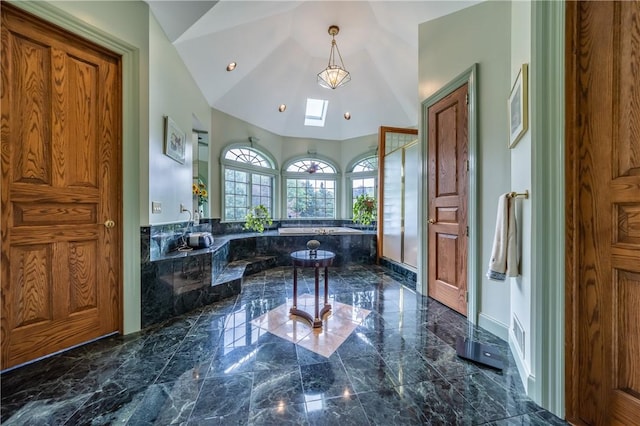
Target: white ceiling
280,47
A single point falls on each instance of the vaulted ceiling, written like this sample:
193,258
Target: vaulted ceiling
281,46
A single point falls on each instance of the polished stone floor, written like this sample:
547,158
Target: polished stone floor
221,365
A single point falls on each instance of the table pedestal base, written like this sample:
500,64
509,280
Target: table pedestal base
315,322
320,259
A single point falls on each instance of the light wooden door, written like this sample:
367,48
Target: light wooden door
398,209
603,213
61,144
448,187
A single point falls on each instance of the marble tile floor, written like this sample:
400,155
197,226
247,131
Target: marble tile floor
220,365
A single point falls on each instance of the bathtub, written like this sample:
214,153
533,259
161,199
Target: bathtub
319,230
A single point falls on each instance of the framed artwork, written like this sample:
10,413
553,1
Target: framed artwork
174,140
518,107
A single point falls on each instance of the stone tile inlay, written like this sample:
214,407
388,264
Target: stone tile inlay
337,324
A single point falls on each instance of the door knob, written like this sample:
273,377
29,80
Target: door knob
109,223
432,221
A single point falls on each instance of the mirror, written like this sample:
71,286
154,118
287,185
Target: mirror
200,173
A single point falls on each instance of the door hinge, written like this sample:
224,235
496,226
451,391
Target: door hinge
466,296
466,99
467,231
466,163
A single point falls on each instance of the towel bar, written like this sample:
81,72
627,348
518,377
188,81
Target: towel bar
514,194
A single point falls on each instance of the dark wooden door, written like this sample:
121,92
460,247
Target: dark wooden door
61,144
603,213
448,187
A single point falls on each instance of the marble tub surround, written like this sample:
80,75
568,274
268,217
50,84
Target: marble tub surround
409,276
215,366
159,241
176,282
358,249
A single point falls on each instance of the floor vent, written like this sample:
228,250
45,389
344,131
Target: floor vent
518,333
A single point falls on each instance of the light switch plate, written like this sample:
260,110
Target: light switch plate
156,207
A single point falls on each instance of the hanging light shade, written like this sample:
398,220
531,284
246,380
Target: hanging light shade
334,75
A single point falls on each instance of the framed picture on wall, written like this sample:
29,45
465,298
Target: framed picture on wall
174,140
518,107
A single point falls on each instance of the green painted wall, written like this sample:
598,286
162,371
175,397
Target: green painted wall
447,47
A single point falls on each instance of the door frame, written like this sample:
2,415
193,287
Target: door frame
132,133
469,77
546,383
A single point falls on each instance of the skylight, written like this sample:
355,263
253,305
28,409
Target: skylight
316,112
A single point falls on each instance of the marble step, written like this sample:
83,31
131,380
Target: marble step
239,268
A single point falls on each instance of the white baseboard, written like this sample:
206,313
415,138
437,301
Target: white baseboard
502,331
528,380
494,326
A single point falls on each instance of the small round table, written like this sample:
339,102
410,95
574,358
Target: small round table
318,259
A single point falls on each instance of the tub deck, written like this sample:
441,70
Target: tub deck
323,230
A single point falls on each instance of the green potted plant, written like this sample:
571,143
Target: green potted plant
364,209
257,218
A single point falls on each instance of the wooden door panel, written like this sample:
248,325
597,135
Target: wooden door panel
627,331
625,408
40,214
29,93
448,145
39,340
31,268
446,150
82,266
78,97
447,215
446,262
61,127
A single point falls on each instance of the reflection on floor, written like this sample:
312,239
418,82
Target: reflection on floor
220,365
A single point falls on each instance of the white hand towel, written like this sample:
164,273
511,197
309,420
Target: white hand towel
504,254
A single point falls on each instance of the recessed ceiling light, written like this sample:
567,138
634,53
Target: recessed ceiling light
282,107
347,116
232,66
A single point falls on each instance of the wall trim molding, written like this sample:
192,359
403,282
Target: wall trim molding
494,326
130,290
548,205
468,76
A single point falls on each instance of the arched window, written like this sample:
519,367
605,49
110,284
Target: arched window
311,186
363,177
249,180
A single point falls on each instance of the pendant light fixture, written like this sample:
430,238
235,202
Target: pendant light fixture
334,75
